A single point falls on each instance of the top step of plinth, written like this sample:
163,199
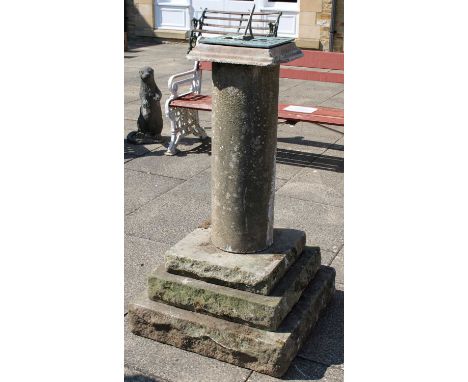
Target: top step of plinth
258,51
196,257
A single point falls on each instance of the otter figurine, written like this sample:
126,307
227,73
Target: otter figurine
150,122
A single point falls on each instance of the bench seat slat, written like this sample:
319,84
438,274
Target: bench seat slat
308,75
193,101
322,114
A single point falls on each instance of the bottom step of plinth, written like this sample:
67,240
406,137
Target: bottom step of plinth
256,349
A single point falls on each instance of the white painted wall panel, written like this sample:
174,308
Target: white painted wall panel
172,15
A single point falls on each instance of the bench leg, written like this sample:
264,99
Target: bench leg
200,131
183,122
175,136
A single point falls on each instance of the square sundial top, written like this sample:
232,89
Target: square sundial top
262,42
257,51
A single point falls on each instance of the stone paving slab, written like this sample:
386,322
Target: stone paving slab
132,110
323,223
324,187
306,137
265,312
133,151
182,167
284,169
310,93
197,187
131,375
171,216
279,183
169,363
326,342
167,219
303,371
140,188
132,95
195,256
264,351
327,257
338,264
336,101
287,85
289,162
336,150
141,257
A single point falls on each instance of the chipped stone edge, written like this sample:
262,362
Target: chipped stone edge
266,312
234,277
245,55
256,349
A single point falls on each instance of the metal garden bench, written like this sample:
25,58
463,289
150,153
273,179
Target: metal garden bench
182,109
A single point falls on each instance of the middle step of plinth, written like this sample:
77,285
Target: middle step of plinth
196,257
266,312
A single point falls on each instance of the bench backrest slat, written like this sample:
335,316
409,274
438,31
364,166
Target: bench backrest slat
231,26
211,21
319,59
208,11
311,75
206,32
311,60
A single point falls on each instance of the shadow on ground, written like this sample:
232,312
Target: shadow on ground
283,156
133,45
324,347
133,151
141,378
299,140
303,159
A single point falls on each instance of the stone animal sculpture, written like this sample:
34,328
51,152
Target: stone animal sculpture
150,122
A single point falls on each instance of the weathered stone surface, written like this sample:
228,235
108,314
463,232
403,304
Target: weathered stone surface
243,156
266,312
169,364
260,350
196,257
245,56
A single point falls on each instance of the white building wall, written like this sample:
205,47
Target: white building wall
177,14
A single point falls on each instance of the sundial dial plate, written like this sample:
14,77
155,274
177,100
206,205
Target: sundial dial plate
262,42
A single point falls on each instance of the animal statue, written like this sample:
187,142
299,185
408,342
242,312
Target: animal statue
150,122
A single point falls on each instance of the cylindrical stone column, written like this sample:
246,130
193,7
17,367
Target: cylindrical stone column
245,117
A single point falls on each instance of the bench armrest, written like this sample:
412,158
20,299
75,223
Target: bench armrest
192,77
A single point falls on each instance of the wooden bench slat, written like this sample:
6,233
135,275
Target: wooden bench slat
310,75
322,114
193,101
239,19
230,26
319,59
242,13
208,31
